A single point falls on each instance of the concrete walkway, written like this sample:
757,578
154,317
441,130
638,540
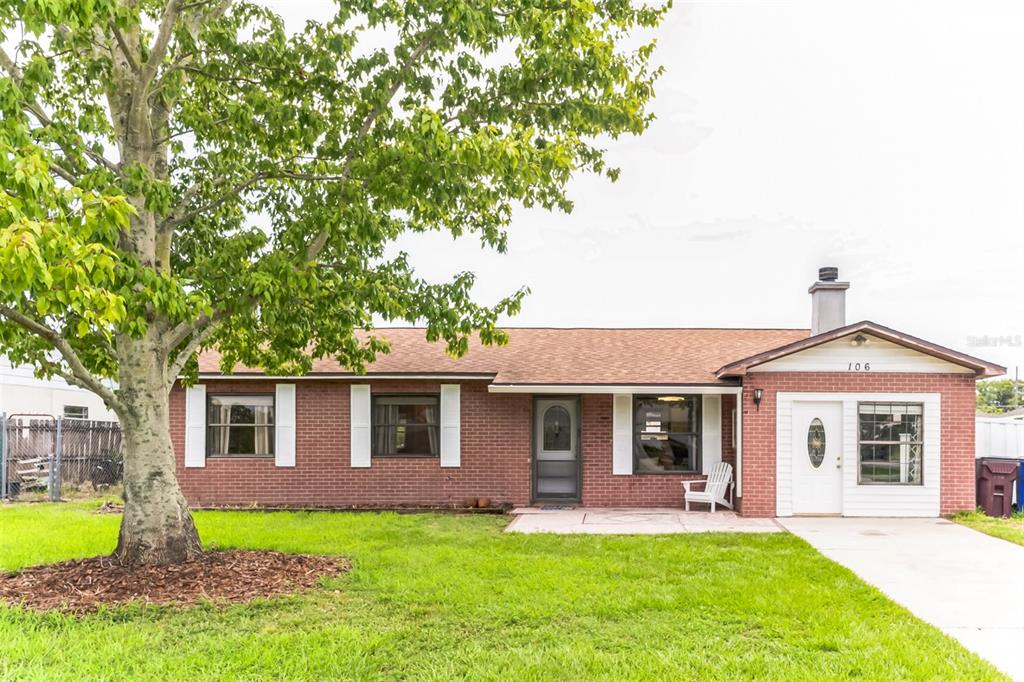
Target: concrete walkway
968,584
633,521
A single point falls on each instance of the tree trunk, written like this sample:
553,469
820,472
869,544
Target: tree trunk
157,526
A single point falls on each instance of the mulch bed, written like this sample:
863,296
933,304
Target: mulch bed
84,585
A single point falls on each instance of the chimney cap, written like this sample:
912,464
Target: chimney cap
828,274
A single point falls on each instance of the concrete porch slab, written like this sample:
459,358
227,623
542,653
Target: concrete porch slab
631,521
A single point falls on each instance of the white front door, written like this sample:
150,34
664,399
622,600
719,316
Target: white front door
817,457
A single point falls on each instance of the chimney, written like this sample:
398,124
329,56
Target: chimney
828,302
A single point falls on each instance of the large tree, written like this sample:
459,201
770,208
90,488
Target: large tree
186,174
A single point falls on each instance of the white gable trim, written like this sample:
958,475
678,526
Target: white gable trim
863,500
874,356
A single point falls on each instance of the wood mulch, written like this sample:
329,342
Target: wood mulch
84,585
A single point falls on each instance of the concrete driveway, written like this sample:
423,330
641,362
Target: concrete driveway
968,584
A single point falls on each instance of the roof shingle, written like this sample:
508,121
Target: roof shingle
568,355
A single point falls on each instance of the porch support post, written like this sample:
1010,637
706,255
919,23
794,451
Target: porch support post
739,444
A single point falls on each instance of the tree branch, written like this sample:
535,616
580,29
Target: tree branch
123,44
186,353
320,241
183,215
63,173
185,329
194,21
9,66
36,110
163,39
82,376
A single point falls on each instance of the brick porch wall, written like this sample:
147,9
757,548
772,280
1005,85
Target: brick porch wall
495,454
957,456
603,489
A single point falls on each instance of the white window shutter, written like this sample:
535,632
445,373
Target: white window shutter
359,411
711,432
195,426
284,425
451,425
622,434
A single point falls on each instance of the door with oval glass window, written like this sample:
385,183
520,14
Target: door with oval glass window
556,462
817,457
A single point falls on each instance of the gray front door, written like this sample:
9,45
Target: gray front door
556,462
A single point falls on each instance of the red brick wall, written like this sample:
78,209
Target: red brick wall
496,452
495,455
957,455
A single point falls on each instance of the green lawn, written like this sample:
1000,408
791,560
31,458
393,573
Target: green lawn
1011,528
435,597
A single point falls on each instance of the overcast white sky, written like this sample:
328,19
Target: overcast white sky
886,138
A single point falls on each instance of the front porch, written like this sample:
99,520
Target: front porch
656,438
632,521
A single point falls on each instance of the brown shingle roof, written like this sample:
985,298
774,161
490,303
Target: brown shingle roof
570,356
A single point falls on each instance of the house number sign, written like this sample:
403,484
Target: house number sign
859,367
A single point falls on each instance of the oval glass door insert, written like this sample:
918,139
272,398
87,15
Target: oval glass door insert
816,442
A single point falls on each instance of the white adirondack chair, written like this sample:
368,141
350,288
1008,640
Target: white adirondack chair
717,488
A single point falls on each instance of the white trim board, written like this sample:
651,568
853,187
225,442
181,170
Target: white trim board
864,500
620,389
359,378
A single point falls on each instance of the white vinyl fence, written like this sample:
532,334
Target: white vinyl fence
999,438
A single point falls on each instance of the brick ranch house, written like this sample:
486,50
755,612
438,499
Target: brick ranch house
858,420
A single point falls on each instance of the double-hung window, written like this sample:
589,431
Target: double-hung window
666,434
891,443
240,426
405,425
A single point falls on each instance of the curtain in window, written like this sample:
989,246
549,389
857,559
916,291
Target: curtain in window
223,442
263,435
432,418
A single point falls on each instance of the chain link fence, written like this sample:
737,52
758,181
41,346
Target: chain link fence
44,454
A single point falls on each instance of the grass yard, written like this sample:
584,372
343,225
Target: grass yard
1011,528
438,597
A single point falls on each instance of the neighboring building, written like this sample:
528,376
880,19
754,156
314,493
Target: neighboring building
859,420
22,393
